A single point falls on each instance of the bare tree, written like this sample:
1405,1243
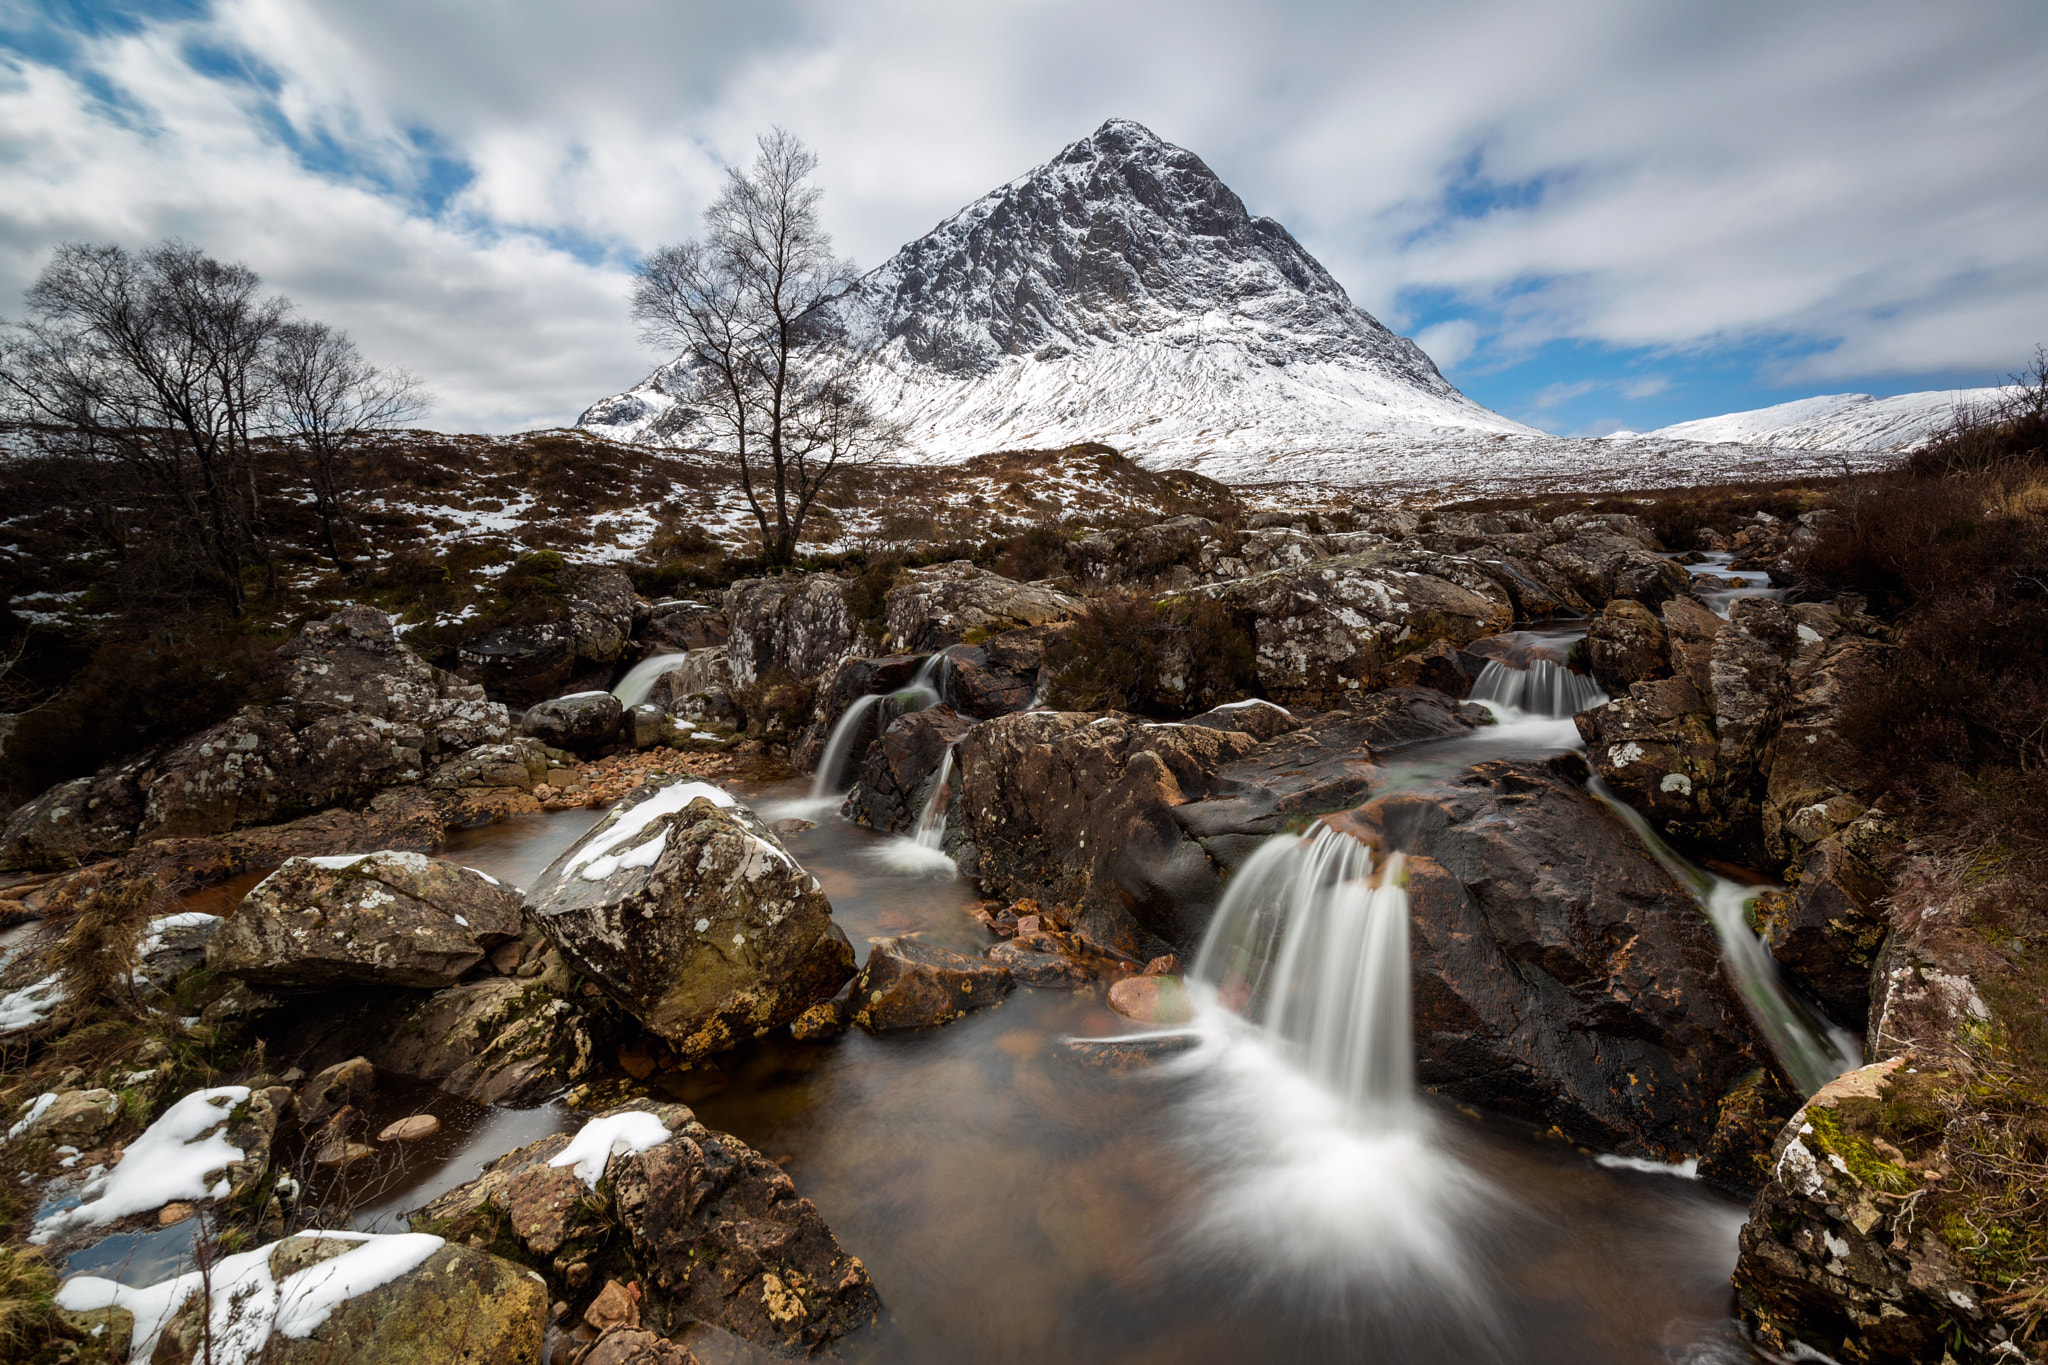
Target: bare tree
744,304
155,360
326,400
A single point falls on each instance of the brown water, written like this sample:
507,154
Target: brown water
1012,1206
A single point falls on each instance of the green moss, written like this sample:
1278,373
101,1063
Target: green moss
1832,1133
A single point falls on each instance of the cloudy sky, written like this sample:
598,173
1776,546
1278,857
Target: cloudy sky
1591,214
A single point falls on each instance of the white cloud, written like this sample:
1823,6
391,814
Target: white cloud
1858,186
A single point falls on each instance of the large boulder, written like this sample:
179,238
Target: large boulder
687,910
1690,629
1816,778
448,1304
712,1230
353,664
255,769
79,821
591,632
1326,631
582,721
385,919
681,625
950,603
520,763
699,689
1601,566
1656,749
1829,927
896,773
795,623
503,1039
1000,675
1560,973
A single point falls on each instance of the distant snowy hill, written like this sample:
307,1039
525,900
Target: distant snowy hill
1836,422
1120,293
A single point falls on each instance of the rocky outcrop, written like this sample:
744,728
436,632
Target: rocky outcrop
1602,565
909,984
700,690
1560,974
1828,929
712,1231
75,822
386,919
455,1304
1328,630
353,664
687,910
796,623
950,603
999,676
1816,777
592,633
1656,748
897,770
1627,645
681,626
520,763
514,1039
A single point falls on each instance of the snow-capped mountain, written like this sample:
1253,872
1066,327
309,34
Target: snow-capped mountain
1121,293
1840,421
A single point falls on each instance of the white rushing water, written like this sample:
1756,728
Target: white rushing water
1543,689
924,853
639,679
926,689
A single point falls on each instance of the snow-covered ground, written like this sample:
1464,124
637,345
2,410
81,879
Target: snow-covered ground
1838,421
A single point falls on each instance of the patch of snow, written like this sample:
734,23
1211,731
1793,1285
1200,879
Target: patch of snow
600,1140
183,1155
630,822
36,1107
31,1004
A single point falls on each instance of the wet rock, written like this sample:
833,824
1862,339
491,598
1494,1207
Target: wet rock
171,946
1752,659
1119,1056
679,626
1040,959
582,722
1832,1258
1738,1156
1656,748
1560,974
895,775
823,1021
1690,629
687,910
635,1346
699,688
1151,999
1829,929
507,1040
644,727
1439,667
335,1088
907,984
950,603
458,1305
1324,631
1262,720
517,763
797,623
1627,645
1065,807
1001,675
411,1129
393,919
712,1232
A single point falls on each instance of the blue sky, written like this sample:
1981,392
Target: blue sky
1593,215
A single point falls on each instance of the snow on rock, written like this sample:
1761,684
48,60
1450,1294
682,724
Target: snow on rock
33,1110
602,1139
183,1155
1119,293
1840,421
248,1302
596,859
31,1004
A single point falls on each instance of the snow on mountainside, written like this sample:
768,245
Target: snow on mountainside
1842,421
1119,293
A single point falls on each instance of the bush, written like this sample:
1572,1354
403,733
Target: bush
2012,431
1128,652
1040,552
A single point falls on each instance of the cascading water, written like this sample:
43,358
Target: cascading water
924,852
1812,1050
931,821
924,690
1310,948
1543,689
639,680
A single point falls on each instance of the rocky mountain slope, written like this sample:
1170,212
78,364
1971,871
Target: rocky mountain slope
1120,292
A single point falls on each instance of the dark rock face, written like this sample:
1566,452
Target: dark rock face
897,768
1656,748
688,911
1560,974
1627,645
797,623
907,984
713,1231
1689,631
1602,566
999,676
525,663
502,1040
1065,807
583,722
78,821
1738,1156
1439,667
1814,775
1829,929
947,603
386,919
678,627
1326,631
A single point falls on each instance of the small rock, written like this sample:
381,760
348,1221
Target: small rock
174,1213
614,1306
1034,958
1167,964
343,1084
633,1346
785,828
411,1129
908,984
824,1020
1151,999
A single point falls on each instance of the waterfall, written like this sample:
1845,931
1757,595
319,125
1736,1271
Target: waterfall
923,853
1812,1050
1310,948
639,680
1542,689
931,821
924,690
